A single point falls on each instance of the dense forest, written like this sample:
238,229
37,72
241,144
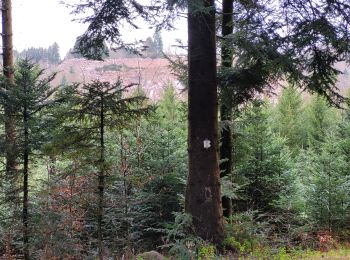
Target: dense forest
251,160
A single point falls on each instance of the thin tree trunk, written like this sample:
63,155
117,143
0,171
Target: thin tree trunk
10,130
203,194
127,189
25,216
101,182
225,109
329,200
10,126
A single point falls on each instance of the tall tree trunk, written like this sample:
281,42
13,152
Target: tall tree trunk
225,109
101,182
203,194
10,129
25,184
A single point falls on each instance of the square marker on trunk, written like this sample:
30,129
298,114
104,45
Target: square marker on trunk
206,144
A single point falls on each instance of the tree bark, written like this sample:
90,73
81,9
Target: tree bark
203,194
8,69
225,109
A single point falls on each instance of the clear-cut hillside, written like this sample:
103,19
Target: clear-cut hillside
152,74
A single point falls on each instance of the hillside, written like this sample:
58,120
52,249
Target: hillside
152,74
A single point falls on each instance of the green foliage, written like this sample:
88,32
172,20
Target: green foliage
290,121
29,98
181,239
254,236
92,43
261,161
207,252
279,195
243,248
279,198
324,175
163,162
320,118
145,169
245,231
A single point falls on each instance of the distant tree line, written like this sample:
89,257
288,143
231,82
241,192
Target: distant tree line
50,55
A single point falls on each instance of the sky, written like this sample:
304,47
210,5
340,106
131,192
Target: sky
40,23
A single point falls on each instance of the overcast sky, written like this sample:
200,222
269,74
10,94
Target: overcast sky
40,23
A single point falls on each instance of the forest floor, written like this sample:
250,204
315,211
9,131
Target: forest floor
334,254
339,254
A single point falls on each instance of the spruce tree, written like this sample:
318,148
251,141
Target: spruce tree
325,179
290,119
165,167
320,117
97,107
261,161
30,94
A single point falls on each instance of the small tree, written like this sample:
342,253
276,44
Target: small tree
30,95
289,119
320,117
99,106
164,165
325,179
261,161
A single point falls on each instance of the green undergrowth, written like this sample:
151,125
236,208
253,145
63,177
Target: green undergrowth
253,249
283,254
342,253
